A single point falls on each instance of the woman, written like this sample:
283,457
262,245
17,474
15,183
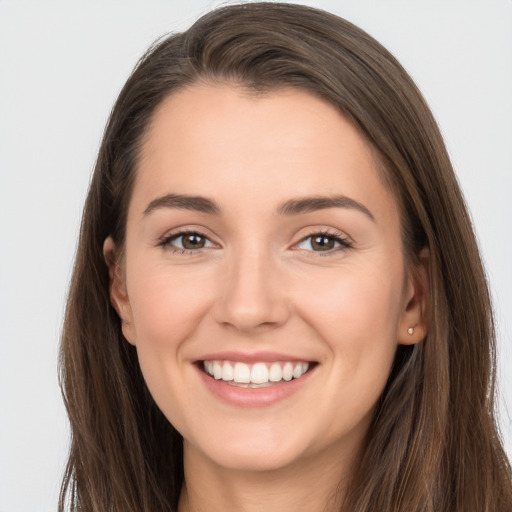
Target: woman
278,301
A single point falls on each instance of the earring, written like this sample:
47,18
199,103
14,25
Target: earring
410,330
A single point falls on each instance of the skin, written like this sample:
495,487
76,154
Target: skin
259,284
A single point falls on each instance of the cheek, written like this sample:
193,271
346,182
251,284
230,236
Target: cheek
167,309
166,306
356,313
356,317
358,301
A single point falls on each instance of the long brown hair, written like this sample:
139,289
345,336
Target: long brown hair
433,444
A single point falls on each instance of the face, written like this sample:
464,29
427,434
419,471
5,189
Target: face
263,281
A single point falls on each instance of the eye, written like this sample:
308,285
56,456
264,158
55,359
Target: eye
324,241
186,242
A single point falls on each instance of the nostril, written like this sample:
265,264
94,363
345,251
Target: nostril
248,306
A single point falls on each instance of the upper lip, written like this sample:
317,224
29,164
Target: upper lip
251,357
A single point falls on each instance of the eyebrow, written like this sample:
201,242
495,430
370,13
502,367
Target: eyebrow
290,207
314,203
184,202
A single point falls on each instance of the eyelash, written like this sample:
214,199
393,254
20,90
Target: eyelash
342,240
166,242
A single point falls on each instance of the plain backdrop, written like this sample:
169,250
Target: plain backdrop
62,65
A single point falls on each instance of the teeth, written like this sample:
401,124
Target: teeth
217,370
208,367
242,373
288,371
227,371
259,374
297,371
275,373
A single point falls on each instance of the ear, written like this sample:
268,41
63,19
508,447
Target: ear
412,327
118,294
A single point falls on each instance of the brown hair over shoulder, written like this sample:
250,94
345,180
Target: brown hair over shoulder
433,444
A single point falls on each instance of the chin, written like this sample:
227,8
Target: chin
254,460
251,453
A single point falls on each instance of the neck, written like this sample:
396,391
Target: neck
309,485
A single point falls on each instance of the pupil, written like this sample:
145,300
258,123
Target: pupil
322,242
193,241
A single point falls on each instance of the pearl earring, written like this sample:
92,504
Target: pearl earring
410,330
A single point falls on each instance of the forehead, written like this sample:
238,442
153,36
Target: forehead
246,149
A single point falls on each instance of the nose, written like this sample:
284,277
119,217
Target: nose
252,296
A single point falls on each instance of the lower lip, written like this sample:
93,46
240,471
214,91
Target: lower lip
253,397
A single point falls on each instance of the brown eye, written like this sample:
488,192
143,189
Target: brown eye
192,241
186,241
322,243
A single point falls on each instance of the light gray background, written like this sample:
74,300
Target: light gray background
61,67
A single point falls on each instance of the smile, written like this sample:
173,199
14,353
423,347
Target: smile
255,375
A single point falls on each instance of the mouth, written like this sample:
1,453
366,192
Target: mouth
255,375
